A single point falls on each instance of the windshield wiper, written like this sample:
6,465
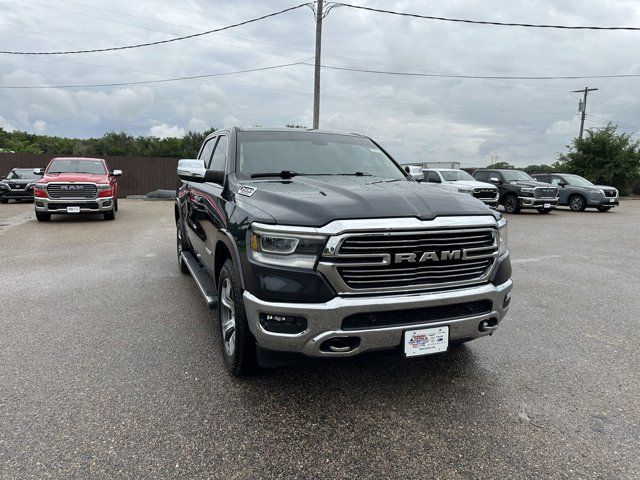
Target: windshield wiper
281,174
355,174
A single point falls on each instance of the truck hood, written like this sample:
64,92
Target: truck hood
472,184
316,201
529,183
74,177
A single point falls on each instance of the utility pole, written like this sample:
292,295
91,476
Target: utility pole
583,106
316,78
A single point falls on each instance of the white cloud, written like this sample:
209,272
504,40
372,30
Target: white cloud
39,126
165,131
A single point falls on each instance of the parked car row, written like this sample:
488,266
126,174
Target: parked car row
516,190
66,186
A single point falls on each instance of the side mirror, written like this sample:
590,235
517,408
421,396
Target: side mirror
562,184
214,176
38,171
117,173
191,169
415,171
2,177
494,179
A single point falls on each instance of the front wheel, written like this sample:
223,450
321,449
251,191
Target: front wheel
577,203
511,204
43,217
544,210
604,209
4,200
238,344
111,214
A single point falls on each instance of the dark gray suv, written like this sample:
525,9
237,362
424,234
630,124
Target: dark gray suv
579,193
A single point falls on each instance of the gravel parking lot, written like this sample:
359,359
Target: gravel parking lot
110,367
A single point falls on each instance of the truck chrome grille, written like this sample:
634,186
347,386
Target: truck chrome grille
485,193
72,190
412,261
545,192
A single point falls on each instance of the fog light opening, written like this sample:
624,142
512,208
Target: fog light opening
283,323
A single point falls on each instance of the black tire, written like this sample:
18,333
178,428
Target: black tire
115,204
4,200
241,359
43,217
577,203
511,204
111,214
181,245
544,210
604,209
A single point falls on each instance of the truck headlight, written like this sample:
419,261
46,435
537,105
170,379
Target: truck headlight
528,191
464,190
502,237
285,250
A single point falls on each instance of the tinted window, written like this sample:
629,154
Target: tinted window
95,167
515,175
22,174
433,177
544,178
455,175
207,150
481,176
310,153
219,160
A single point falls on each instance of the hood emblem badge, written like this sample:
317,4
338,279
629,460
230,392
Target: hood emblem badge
246,190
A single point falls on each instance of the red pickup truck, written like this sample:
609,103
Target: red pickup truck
76,185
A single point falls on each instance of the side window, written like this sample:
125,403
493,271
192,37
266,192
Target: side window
219,159
205,154
555,180
433,177
482,176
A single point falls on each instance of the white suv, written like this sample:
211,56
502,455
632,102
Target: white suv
460,181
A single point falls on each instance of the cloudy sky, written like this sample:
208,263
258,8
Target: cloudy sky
417,119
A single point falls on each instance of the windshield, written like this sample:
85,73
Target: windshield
577,181
455,175
515,175
22,174
310,153
94,167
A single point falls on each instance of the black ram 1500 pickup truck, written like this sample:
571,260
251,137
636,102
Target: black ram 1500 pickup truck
318,244
517,190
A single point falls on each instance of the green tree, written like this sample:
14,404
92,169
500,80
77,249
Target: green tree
541,168
604,156
501,166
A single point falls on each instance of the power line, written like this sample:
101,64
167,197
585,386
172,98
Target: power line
481,22
159,42
144,82
483,77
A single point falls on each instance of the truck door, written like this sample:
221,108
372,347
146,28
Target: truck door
193,215
207,199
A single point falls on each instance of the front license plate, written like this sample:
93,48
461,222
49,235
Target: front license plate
612,200
73,209
426,341
547,205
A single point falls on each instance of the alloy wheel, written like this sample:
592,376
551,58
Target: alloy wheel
228,317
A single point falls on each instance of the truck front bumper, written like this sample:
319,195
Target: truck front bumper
55,205
325,320
530,202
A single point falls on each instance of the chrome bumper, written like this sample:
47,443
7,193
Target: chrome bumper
325,319
538,202
87,205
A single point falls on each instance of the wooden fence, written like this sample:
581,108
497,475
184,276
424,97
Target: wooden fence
141,175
